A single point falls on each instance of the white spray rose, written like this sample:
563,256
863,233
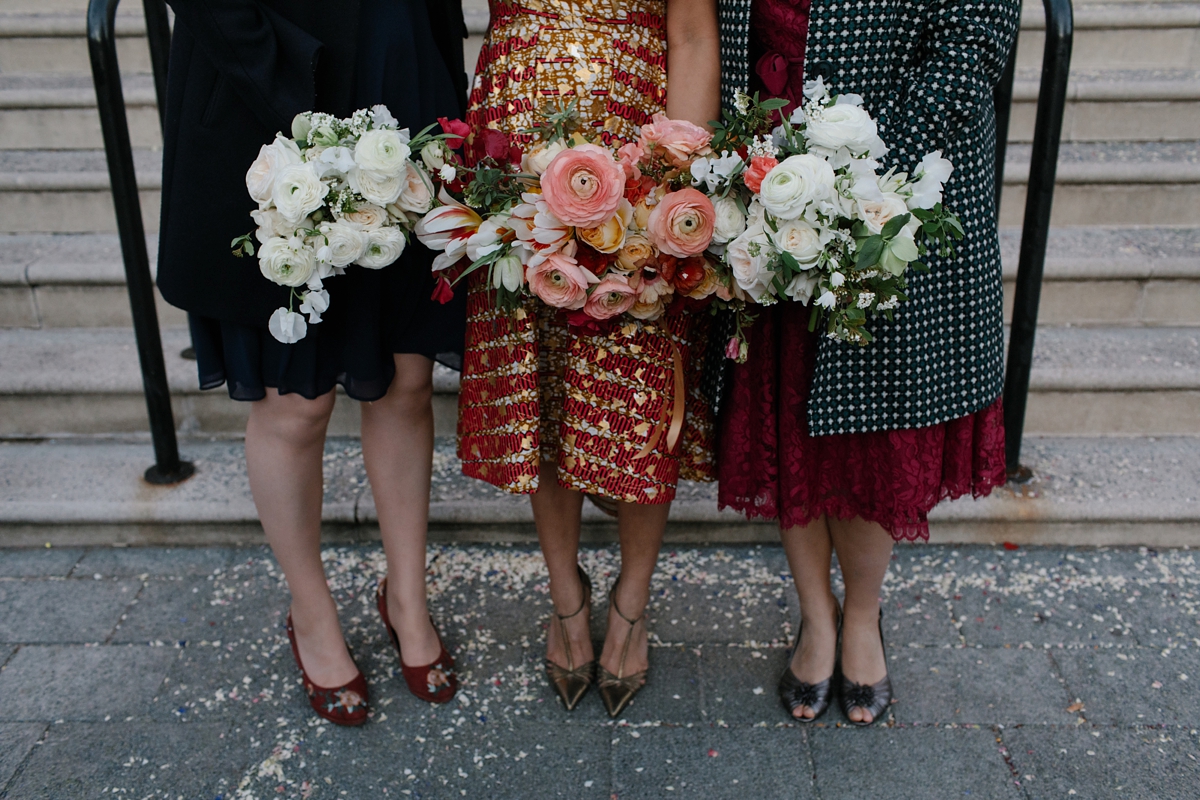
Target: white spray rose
366,217
382,151
298,192
287,326
272,158
539,157
375,187
287,262
877,213
794,183
416,194
750,256
730,220
801,241
346,244
384,247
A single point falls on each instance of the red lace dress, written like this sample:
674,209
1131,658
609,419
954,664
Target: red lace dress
768,464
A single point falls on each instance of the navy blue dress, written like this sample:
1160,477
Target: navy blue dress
373,313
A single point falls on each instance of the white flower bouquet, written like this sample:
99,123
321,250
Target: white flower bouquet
803,213
339,192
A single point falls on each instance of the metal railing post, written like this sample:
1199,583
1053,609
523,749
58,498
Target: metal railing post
1043,165
168,467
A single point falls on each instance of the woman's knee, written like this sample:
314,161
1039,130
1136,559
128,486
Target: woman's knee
292,416
411,391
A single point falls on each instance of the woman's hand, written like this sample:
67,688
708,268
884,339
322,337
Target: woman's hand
693,61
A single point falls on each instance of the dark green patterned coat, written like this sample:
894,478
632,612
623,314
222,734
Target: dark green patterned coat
926,69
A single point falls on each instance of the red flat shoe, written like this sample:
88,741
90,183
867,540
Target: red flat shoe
345,705
433,683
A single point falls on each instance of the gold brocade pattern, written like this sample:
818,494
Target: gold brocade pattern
597,404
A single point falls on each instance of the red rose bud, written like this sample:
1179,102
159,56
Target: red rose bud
688,274
494,144
457,128
443,292
667,264
515,154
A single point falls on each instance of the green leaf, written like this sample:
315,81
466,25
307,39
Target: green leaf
869,252
903,248
955,225
895,225
243,246
790,261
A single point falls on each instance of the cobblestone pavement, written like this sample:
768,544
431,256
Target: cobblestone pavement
1026,673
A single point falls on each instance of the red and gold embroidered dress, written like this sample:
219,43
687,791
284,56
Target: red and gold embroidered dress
606,407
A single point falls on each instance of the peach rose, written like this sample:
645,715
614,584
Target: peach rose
682,223
611,297
647,311
560,282
707,286
635,253
758,169
681,140
583,186
608,236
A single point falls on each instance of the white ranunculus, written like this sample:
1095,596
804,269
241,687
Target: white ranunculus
416,194
801,241
539,157
384,247
433,155
847,125
730,220
287,262
802,286
346,243
375,187
749,256
877,213
794,183
272,159
382,151
314,303
287,326
298,192
270,224
366,217
508,272
932,174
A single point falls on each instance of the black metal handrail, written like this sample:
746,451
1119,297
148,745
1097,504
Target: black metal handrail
102,47
1043,166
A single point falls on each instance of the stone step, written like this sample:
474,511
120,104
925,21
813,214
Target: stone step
1138,183
1088,491
1120,35
1094,276
1086,381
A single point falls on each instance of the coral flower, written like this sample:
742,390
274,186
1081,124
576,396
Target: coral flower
611,297
583,185
560,282
758,169
682,223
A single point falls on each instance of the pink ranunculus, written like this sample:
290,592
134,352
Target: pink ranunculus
682,223
681,140
560,282
611,297
583,185
759,167
630,155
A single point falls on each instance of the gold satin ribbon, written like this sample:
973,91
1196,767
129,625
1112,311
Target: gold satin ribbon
675,417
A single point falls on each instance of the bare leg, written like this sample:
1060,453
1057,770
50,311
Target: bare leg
285,440
809,549
641,529
556,513
864,550
397,436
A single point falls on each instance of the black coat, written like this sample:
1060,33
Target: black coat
240,71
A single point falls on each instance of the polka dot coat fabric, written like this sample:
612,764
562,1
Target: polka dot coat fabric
926,70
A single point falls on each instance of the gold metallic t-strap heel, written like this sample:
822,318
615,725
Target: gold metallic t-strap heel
572,682
618,690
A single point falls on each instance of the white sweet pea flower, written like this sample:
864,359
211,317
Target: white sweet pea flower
750,256
335,161
270,224
801,287
816,89
931,174
287,326
314,303
382,118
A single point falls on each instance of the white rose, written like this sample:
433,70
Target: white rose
314,303
272,158
287,326
346,243
298,192
730,220
287,262
539,157
802,287
877,213
382,151
434,155
416,194
270,224
801,241
376,187
366,217
845,125
749,256
384,247
794,183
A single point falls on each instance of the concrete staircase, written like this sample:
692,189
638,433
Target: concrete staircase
1118,353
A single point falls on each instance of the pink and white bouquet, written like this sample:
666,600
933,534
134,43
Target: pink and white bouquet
594,231
339,192
805,215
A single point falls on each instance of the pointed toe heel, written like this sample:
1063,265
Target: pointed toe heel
434,683
571,683
618,690
342,705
